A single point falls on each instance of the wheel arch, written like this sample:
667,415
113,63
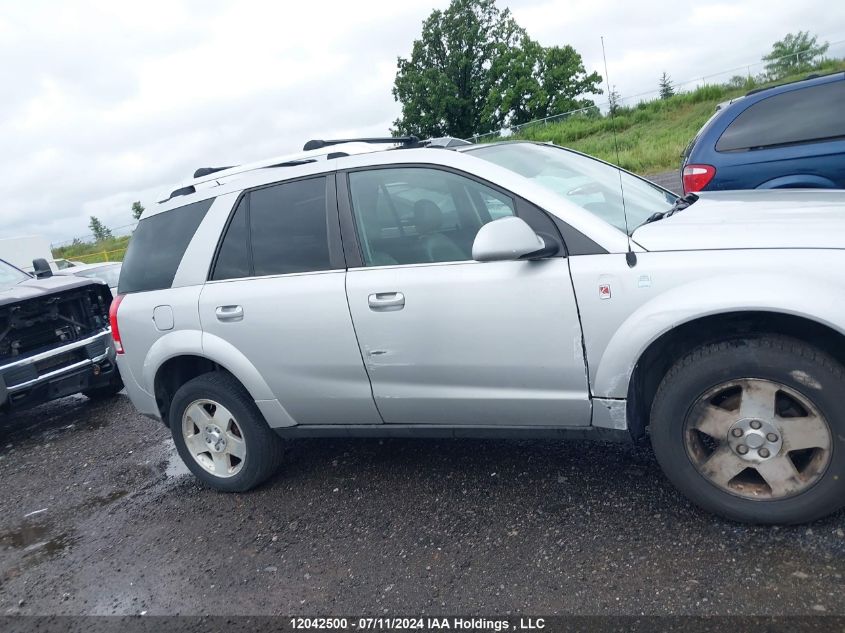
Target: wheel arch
173,361
175,372
662,352
797,181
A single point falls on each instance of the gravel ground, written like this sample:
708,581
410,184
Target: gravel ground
670,180
378,527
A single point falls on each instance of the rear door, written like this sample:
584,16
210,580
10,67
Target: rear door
448,340
276,294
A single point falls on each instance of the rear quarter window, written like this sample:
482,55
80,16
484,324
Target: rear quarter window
805,115
688,149
157,247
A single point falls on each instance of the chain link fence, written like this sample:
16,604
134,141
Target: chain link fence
87,249
744,75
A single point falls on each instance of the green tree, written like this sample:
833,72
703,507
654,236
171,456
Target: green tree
137,210
793,54
474,69
99,230
666,88
534,82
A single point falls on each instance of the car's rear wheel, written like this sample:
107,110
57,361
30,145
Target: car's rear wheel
752,429
221,435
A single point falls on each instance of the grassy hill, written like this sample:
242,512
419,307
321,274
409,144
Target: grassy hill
109,250
652,134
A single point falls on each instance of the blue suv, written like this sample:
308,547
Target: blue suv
787,136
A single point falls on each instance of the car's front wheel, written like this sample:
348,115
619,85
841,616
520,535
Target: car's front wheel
754,429
221,435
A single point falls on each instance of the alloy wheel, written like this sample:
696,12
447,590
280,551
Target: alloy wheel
213,438
758,439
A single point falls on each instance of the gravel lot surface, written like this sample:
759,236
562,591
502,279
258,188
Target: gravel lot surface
97,517
670,180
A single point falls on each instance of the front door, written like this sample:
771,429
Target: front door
447,340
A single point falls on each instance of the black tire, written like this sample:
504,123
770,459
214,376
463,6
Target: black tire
114,387
792,363
263,446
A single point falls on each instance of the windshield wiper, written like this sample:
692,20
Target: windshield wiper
680,204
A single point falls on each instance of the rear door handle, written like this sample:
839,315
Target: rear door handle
229,313
386,301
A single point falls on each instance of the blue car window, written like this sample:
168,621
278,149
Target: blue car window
798,116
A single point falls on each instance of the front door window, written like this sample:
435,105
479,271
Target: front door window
417,215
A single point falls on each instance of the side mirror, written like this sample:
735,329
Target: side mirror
509,239
41,268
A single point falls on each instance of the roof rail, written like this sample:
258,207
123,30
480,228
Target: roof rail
794,81
394,140
205,171
318,150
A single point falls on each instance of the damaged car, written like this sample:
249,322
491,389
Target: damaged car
508,289
55,339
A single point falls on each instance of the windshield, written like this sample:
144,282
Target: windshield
109,274
11,276
589,183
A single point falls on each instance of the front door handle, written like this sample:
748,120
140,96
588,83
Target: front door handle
386,301
229,313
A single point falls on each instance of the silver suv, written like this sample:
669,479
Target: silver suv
513,289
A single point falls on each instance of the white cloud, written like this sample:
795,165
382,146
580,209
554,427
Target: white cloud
105,103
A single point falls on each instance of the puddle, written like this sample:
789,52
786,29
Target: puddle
44,423
175,466
23,537
99,502
35,541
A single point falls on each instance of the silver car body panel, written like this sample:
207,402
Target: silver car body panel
138,331
773,218
610,413
196,262
296,332
665,290
471,343
186,338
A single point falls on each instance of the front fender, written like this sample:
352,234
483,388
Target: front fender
720,294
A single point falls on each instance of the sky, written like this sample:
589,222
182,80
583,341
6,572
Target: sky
105,102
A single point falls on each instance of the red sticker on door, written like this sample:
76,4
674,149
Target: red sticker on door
604,291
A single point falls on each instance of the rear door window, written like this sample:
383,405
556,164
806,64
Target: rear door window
277,230
798,116
233,260
157,247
